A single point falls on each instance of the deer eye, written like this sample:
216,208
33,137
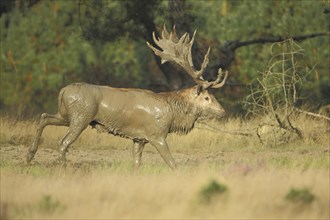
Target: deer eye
207,98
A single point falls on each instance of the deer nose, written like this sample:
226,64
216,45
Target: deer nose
222,113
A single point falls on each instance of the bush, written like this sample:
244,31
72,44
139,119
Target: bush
49,205
212,190
300,196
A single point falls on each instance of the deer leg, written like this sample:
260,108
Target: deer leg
137,153
164,151
45,119
72,134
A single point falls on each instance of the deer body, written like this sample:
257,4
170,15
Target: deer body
132,113
136,114
140,115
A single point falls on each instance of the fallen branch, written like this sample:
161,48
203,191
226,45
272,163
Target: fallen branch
214,129
312,114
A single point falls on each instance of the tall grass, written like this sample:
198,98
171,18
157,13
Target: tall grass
215,136
99,181
68,194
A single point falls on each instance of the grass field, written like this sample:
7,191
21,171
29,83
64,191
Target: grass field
220,175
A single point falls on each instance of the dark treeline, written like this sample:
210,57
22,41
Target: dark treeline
46,45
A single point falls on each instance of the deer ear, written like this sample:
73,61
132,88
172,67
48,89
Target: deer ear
199,89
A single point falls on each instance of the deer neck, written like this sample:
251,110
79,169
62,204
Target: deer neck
184,113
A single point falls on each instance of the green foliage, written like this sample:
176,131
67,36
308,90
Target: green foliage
49,205
40,52
211,190
300,196
226,21
108,21
44,46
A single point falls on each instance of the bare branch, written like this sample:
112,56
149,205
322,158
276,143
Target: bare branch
233,45
313,114
233,132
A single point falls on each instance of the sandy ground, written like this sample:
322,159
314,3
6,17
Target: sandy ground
78,156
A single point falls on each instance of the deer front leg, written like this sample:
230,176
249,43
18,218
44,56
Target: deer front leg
137,153
164,151
72,134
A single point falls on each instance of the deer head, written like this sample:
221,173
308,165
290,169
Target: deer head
178,50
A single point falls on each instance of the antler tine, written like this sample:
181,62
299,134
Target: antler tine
183,38
187,39
155,40
190,56
175,36
205,63
217,84
193,37
156,51
165,33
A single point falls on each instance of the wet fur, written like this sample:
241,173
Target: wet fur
184,114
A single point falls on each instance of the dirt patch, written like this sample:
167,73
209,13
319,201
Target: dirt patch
80,157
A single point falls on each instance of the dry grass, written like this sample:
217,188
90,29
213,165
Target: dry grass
167,195
99,181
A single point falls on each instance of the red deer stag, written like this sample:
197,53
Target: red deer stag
140,115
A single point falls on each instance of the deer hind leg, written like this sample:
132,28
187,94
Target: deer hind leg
75,129
164,151
137,153
45,120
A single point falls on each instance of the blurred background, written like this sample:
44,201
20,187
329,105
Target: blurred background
46,45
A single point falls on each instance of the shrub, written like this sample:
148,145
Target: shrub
212,190
48,204
300,196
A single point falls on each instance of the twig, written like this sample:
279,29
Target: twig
297,130
312,114
214,129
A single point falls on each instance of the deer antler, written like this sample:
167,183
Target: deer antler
178,50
